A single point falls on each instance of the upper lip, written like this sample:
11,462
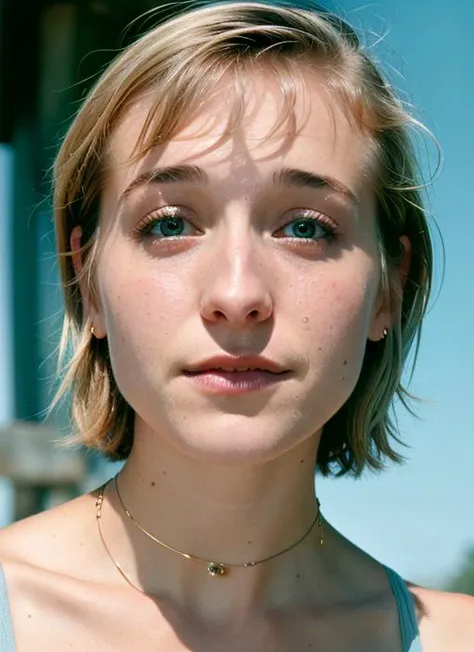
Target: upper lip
237,363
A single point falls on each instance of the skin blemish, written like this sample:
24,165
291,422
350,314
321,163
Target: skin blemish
301,461
345,362
165,472
153,484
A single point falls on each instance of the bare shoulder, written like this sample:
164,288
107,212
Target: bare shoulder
46,539
50,563
446,620
57,573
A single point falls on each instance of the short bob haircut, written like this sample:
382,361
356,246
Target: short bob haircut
177,65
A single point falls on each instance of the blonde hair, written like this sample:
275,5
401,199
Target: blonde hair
177,65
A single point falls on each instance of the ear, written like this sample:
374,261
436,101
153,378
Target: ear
388,307
91,311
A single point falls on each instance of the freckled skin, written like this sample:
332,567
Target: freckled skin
233,286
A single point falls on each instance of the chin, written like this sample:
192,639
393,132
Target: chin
232,439
216,454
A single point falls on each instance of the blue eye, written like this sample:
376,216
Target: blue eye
168,227
307,229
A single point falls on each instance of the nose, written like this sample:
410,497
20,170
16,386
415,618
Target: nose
237,288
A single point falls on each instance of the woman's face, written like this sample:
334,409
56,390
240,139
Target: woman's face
252,246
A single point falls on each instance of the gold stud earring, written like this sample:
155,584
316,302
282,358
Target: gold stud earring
93,330
385,332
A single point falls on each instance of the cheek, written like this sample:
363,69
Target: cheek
339,298
142,310
336,312
132,287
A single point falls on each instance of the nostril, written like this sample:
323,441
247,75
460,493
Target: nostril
235,308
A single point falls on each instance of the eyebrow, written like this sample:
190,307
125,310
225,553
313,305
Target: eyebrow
173,174
304,179
192,174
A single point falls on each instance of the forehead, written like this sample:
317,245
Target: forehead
316,135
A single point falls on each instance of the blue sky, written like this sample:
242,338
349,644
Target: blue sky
420,517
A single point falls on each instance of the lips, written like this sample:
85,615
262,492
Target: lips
232,370
236,380
236,364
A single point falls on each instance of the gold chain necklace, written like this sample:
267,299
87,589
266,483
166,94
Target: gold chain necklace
215,569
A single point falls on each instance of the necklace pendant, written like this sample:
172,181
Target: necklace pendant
216,570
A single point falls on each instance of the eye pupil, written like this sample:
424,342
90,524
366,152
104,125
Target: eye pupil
171,226
305,228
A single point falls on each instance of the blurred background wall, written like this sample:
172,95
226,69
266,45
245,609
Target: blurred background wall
418,518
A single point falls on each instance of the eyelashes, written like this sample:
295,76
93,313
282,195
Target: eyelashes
172,223
168,222
309,225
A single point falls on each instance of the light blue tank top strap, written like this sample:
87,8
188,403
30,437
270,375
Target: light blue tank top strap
406,613
7,642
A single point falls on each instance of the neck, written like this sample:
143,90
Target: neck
226,514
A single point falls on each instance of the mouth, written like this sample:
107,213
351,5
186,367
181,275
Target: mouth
237,374
221,381
240,370
238,364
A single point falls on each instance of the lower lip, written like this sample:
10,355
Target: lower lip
236,382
